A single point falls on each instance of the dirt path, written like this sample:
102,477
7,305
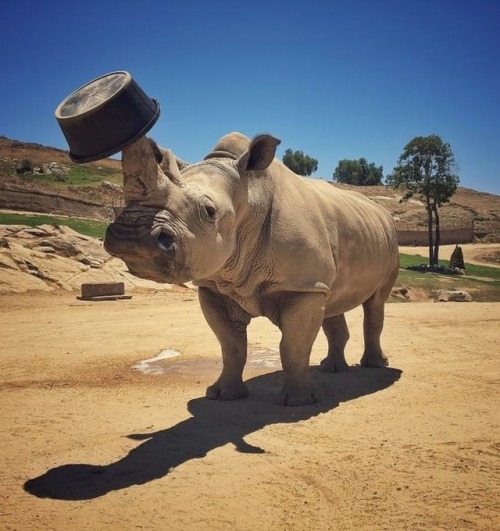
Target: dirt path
90,442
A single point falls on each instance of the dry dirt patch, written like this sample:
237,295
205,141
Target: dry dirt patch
89,442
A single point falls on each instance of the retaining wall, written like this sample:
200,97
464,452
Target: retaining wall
49,203
448,236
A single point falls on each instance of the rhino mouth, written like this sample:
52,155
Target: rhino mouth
148,245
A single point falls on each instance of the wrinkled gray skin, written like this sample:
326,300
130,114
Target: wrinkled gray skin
259,240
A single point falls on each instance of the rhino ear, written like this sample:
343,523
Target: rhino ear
168,162
170,166
165,158
260,154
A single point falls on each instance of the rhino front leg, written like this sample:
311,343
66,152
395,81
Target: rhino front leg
229,323
337,333
300,319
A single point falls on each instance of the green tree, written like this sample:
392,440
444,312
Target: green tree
299,163
358,172
425,170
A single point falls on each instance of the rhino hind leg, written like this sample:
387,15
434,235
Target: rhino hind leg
373,322
229,324
337,333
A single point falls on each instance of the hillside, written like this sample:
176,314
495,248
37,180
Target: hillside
91,190
15,150
466,206
37,178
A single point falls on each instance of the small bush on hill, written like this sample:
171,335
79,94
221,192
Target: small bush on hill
25,166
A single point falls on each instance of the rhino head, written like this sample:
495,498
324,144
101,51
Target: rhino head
180,221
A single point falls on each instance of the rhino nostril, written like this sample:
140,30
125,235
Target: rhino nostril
165,241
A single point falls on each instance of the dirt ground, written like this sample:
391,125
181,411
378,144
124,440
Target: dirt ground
94,439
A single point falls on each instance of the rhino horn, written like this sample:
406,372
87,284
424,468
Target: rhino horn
149,172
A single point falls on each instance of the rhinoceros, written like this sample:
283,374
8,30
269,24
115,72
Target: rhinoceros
258,240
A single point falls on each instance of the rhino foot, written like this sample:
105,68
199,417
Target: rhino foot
378,361
217,391
329,365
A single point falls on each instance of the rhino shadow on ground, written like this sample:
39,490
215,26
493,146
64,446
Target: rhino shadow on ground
213,424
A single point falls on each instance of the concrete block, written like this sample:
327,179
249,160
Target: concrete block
104,289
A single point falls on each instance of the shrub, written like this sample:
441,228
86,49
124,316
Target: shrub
25,166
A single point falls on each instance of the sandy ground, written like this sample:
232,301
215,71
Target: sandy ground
90,442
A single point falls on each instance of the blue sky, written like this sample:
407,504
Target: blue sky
336,79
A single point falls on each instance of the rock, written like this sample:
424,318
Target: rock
111,186
32,232
44,249
6,261
457,259
46,169
443,295
11,230
51,257
63,247
61,168
91,262
50,267
15,281
400,292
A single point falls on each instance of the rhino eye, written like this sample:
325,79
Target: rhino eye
210,210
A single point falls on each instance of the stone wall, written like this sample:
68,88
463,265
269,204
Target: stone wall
52,203
35,200
449,235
